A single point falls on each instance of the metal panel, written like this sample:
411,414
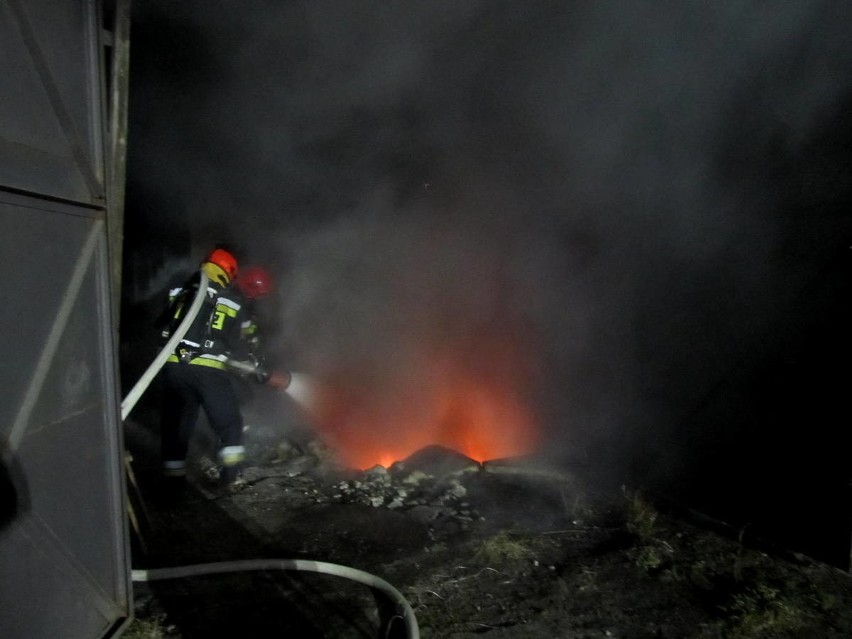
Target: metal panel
50,115
63,556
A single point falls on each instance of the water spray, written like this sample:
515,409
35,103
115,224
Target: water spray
302,389
300,386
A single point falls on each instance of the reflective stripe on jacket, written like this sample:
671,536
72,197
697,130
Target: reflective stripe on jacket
216,330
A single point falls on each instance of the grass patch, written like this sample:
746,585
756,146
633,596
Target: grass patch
144,629
501,548
763,611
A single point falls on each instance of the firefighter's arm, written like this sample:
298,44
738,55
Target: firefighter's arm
167,320
254,364
274,378
163,322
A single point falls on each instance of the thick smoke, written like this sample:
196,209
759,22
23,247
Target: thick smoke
622,187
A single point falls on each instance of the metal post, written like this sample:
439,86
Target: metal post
117,149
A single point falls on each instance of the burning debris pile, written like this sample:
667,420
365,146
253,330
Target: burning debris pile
425,496
429,486
437,488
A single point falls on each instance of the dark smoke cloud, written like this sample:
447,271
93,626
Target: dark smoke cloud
642,189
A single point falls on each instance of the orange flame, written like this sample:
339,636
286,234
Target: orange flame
481,414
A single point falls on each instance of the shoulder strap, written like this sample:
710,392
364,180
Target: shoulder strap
207,337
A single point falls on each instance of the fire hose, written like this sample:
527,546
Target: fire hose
150,373
404,610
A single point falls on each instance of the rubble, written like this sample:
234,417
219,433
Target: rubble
407,486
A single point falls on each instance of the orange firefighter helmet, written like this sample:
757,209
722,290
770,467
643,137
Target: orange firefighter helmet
224,260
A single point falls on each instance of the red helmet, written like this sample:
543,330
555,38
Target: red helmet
255,282
224,260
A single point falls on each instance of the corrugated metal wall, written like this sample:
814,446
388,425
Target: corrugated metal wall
64,558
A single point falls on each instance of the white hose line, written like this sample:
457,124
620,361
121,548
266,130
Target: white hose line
141,386
403,607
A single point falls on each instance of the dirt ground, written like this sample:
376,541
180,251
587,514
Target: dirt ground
508,550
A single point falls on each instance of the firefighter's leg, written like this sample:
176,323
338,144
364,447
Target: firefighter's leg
180,412
222,406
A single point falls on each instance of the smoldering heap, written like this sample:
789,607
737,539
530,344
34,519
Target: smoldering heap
426,497
428,486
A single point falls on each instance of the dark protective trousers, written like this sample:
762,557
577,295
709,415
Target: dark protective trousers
188,387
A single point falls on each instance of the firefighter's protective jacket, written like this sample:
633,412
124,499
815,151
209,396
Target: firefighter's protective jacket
216,333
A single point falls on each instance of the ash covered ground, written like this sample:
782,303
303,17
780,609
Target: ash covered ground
505,549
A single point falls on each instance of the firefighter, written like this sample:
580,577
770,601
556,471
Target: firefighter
253,284
197,374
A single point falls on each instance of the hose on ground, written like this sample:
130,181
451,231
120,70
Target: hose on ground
141,386
402,606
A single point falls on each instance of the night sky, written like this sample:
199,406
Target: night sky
650,198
